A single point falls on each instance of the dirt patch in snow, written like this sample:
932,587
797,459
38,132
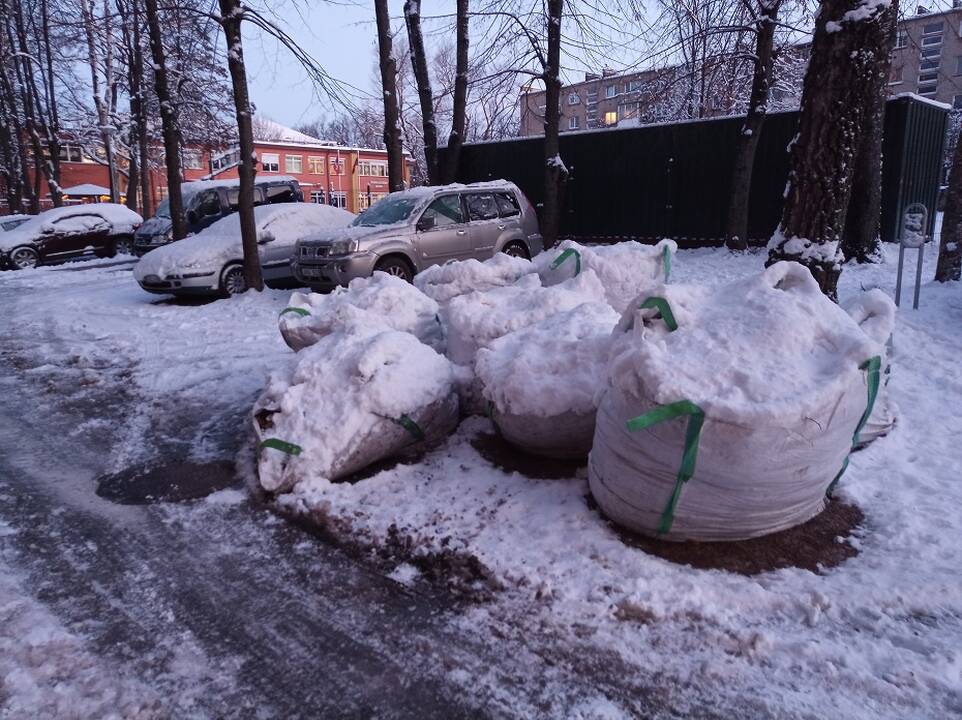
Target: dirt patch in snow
497,451
176,482
819,544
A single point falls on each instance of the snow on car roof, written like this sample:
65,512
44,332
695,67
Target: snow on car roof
122,218
195,186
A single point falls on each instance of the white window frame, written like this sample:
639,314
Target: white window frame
574,123
318,197
902,39
287,163
270,162
318,162
610,91
929,40
574,98
610,118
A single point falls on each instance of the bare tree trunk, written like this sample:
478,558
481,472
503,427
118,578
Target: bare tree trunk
555,172
231,16
422,79
99,101
53,114
392,129
736,229
139,88
460,104
168,122
860,238
950,243
847,51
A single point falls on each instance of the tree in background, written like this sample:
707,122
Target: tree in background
388,67
422,79
556,174
849,47
460,100
100,91
949,266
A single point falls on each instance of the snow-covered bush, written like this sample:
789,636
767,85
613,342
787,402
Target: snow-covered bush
541,382
385,299
874,311
730,410
445,282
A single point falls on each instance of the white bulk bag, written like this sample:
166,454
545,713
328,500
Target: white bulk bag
874,311
388,300
357,396
625,269
442,283
735,424
541,382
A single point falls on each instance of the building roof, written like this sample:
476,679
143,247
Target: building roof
86,190
269,131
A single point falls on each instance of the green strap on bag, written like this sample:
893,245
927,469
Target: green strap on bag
564,256
297,311
873,366
282,445
666,262
696,418
662,306
412,427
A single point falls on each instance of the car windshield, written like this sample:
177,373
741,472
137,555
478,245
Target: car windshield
388,211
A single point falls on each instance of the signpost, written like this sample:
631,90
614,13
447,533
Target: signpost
914,221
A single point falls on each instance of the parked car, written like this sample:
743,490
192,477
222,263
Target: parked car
211,262
408,231
66,232
207,201
9,222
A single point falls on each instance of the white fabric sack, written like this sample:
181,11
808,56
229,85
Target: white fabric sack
387,300
774,366
541,382
358,395
626,269
443,283
874,311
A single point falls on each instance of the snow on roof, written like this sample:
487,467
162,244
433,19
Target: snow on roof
267,131
927,101
86,189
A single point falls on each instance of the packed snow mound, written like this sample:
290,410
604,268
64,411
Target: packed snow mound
215,246
874,312
626,269
385,299
542,382
475,319
731,414
445,282
358,395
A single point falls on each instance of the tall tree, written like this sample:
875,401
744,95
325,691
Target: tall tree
389,89
766,19
848,48
949,266
422,79
232,13
99,93
555,172
459,108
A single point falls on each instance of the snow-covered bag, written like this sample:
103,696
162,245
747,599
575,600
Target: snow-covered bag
541,382
442,283
730,411
357,396
387,300
874,311
626,269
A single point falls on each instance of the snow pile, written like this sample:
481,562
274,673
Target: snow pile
729,411
386,299
358,395
542,381
625,269
445,282
874,312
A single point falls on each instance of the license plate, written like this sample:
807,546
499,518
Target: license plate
312,272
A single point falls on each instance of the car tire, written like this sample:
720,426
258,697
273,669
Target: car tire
232,280
516,248
396,266
124,245
24,257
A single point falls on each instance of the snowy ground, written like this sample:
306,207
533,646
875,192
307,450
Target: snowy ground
878,636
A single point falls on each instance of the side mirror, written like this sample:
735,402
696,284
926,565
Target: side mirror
426,223
265,237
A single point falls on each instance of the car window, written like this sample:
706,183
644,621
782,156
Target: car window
481,206
393,209
207,203
233,198
279,194
446,210
79,224
507,204
11,224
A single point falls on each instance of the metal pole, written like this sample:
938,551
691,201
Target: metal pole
898,281
918,278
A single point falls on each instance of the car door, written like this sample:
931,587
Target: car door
275,250
69,236
484,223
442,233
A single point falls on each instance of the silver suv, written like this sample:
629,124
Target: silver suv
408,231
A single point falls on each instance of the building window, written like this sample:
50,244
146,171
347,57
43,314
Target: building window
611,117
928,90
337,166
193,160
932,40
902,39
293,163
931,51
935,27
958,65
895,76
610,91
927,65
573,123
928,78
338,198
317,197
574,98
632,86
270,162
315,165
71,153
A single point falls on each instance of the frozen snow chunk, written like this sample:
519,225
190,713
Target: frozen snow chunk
626,269
356,396
542,381
445,282
382,300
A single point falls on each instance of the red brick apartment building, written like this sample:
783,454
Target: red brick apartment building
347,177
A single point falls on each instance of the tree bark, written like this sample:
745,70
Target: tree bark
422,79
392,128
100,106
949,266
847,52
460,104
168,122
736,228
231,16
555,172
139,89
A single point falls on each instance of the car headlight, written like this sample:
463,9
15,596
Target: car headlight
344,247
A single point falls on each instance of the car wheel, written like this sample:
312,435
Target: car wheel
232,281
124,246
516,249
397,267
22,258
